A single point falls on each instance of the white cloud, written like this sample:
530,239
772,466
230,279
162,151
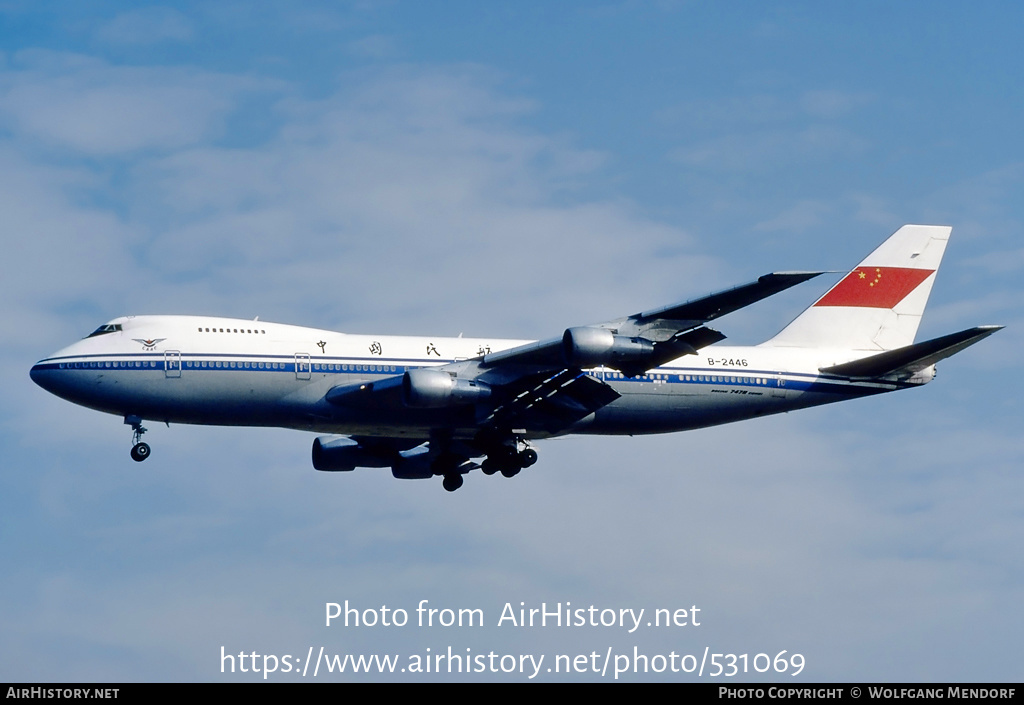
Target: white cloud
800,216
832,104
96,109
751,109
766,131
771,149
374,46
410,182
147,25
62,246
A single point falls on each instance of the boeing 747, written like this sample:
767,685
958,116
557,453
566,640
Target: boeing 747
433,406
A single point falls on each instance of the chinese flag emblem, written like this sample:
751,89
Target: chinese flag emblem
875,287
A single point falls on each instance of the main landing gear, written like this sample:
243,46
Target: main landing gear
506,459
140,450
452,481
450,467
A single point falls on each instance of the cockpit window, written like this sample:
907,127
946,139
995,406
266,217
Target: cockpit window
106,328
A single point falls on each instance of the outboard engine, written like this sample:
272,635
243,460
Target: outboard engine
590,347
413,464
333,454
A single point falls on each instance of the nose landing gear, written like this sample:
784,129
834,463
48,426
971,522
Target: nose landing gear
140,450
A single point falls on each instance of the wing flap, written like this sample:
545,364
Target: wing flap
551,402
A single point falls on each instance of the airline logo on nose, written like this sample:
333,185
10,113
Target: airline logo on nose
149,344
875,287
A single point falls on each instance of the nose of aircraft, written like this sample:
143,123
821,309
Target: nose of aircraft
44,374
51,374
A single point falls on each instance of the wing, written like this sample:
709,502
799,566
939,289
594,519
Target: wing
543,387
637,343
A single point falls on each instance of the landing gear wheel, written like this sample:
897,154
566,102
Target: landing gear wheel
452,481
510,471
527,458
489,466
140,451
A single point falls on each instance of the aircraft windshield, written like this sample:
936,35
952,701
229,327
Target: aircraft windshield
106,328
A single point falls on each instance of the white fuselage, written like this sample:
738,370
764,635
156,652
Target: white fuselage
206,370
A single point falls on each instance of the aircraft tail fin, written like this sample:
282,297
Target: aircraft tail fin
878,306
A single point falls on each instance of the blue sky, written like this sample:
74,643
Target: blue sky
509,170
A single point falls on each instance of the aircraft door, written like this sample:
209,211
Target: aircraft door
778,388
172,363
302,366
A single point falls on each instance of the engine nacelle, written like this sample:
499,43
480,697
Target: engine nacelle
428,388
413,465
591,347
332,454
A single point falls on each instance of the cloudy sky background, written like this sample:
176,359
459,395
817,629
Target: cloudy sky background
508,170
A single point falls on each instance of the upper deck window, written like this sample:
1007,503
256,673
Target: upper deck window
249,331
106,328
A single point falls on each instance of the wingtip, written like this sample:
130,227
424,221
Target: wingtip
797,276
986,330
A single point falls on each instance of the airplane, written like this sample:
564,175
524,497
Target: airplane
433,406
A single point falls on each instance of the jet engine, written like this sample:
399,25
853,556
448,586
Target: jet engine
332,454
413,464
340,454
591,347
427,388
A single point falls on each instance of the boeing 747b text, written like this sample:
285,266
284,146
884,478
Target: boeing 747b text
434,406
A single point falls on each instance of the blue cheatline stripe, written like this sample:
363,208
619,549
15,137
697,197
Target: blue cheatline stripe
794,381
252,356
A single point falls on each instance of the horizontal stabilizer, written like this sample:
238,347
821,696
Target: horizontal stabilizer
909,360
